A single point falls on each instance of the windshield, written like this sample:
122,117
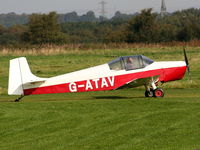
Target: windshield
116,64
146,60
130,62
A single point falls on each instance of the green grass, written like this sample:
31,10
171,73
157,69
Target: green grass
107,120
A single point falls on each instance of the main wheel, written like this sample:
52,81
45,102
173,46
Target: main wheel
17,100
149,93
158,93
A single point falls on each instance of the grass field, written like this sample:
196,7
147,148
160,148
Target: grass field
120,120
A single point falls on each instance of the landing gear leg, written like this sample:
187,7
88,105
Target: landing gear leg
18,99
153,91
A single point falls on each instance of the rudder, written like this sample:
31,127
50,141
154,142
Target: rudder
20,74
15,84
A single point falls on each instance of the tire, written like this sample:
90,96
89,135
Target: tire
148,93
158,93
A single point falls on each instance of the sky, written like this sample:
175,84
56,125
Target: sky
82,6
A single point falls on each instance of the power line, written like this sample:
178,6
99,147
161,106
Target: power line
103,10
163,8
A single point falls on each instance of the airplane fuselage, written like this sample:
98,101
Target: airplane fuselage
101,78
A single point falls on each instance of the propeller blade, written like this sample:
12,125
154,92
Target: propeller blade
187,62
185,55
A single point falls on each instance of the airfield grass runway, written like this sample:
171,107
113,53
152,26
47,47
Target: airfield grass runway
120,120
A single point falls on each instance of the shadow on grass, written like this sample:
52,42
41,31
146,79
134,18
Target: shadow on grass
7,101
115,97
34,99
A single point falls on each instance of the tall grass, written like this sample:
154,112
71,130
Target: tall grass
67,48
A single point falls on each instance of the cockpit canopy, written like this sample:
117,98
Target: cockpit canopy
130,62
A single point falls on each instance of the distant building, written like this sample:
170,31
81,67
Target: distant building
163,9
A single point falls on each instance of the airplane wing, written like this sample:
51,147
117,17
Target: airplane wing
139,82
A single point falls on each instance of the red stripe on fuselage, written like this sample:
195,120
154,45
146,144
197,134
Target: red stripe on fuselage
106,83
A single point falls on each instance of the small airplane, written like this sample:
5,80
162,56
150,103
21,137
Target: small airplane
122,72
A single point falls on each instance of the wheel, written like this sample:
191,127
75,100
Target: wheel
158,93
17,100
149,93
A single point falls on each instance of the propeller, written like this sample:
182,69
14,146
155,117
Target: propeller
187,62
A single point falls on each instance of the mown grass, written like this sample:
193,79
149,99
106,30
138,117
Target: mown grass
121,119
105,120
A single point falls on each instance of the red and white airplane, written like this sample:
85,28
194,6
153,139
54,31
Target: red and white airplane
127,71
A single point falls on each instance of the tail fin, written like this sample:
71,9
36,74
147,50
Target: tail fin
19,74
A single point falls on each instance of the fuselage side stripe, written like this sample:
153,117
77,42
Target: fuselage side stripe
107,83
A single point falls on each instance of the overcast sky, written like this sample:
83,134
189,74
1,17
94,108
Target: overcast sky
82,6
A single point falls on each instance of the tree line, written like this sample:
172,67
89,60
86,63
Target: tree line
145,27
10,19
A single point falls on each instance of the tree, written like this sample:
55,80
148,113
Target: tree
167,33
11,19
70,17
12,35
88,17
117,34
2,29
120,17
143,28
44,28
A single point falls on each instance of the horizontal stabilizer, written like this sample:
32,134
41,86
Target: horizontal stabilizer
38,82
